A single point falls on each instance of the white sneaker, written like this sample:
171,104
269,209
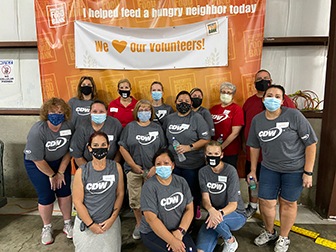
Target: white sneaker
230,247
68,230
136,233
282,244
47,235
265,237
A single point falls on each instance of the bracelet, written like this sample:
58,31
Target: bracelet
53,175
308,173
62,173
90,224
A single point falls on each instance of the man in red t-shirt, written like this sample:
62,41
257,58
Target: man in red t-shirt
253,106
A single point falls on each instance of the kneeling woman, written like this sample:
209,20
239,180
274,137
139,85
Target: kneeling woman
98,193
167,207
219,184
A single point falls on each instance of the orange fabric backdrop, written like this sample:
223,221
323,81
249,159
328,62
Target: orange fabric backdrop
59,77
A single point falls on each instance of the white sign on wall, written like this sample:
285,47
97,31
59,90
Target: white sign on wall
202,44
6,71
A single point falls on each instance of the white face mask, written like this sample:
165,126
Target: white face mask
226,98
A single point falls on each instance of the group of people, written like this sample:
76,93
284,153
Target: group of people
173,163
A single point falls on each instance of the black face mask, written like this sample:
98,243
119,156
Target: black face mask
196,102
99,153
262,85
213,161
86,90
124,93
183,107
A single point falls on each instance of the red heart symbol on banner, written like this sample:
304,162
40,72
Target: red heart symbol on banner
119,45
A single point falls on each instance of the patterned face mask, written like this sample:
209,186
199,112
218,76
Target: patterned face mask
144,116
183,107
99,153
55,119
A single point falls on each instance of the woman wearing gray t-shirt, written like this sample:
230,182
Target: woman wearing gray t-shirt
288,145
167,207
80,104
98,193
47,161
139,141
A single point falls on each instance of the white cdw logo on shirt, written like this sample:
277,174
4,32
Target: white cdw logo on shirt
56,144
216,188
101,186
172,202
269,135
179,128
147,139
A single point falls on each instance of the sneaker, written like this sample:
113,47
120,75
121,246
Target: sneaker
136,233
282,244
250,211
230,247
198,215
47,235
265,237
68,230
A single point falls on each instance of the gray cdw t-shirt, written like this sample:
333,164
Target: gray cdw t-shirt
208,118
161,112
142,142
100,190
44,144
222,187
79,109
112,128
283,141
167,202
187,130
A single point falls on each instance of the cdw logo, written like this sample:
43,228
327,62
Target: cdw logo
269,135
216,188
172,202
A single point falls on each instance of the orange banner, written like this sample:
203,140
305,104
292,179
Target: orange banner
55,32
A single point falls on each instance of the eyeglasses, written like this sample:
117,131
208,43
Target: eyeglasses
226,92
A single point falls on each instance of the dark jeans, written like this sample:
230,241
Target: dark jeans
191,176
155,244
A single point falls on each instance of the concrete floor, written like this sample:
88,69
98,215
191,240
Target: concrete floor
21,232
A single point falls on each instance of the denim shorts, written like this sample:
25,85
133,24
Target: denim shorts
41,182
273,184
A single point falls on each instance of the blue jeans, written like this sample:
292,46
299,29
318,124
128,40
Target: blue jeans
207,238
41,181
191,176
272,184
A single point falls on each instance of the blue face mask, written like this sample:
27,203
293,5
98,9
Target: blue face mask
144,116
164,171
98,118
56,119
156,95
272,103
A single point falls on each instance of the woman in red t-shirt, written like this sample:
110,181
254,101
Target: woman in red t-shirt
228,119
122,107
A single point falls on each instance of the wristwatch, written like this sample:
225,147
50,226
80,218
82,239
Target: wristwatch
308,173
222,212
183,232
191,146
